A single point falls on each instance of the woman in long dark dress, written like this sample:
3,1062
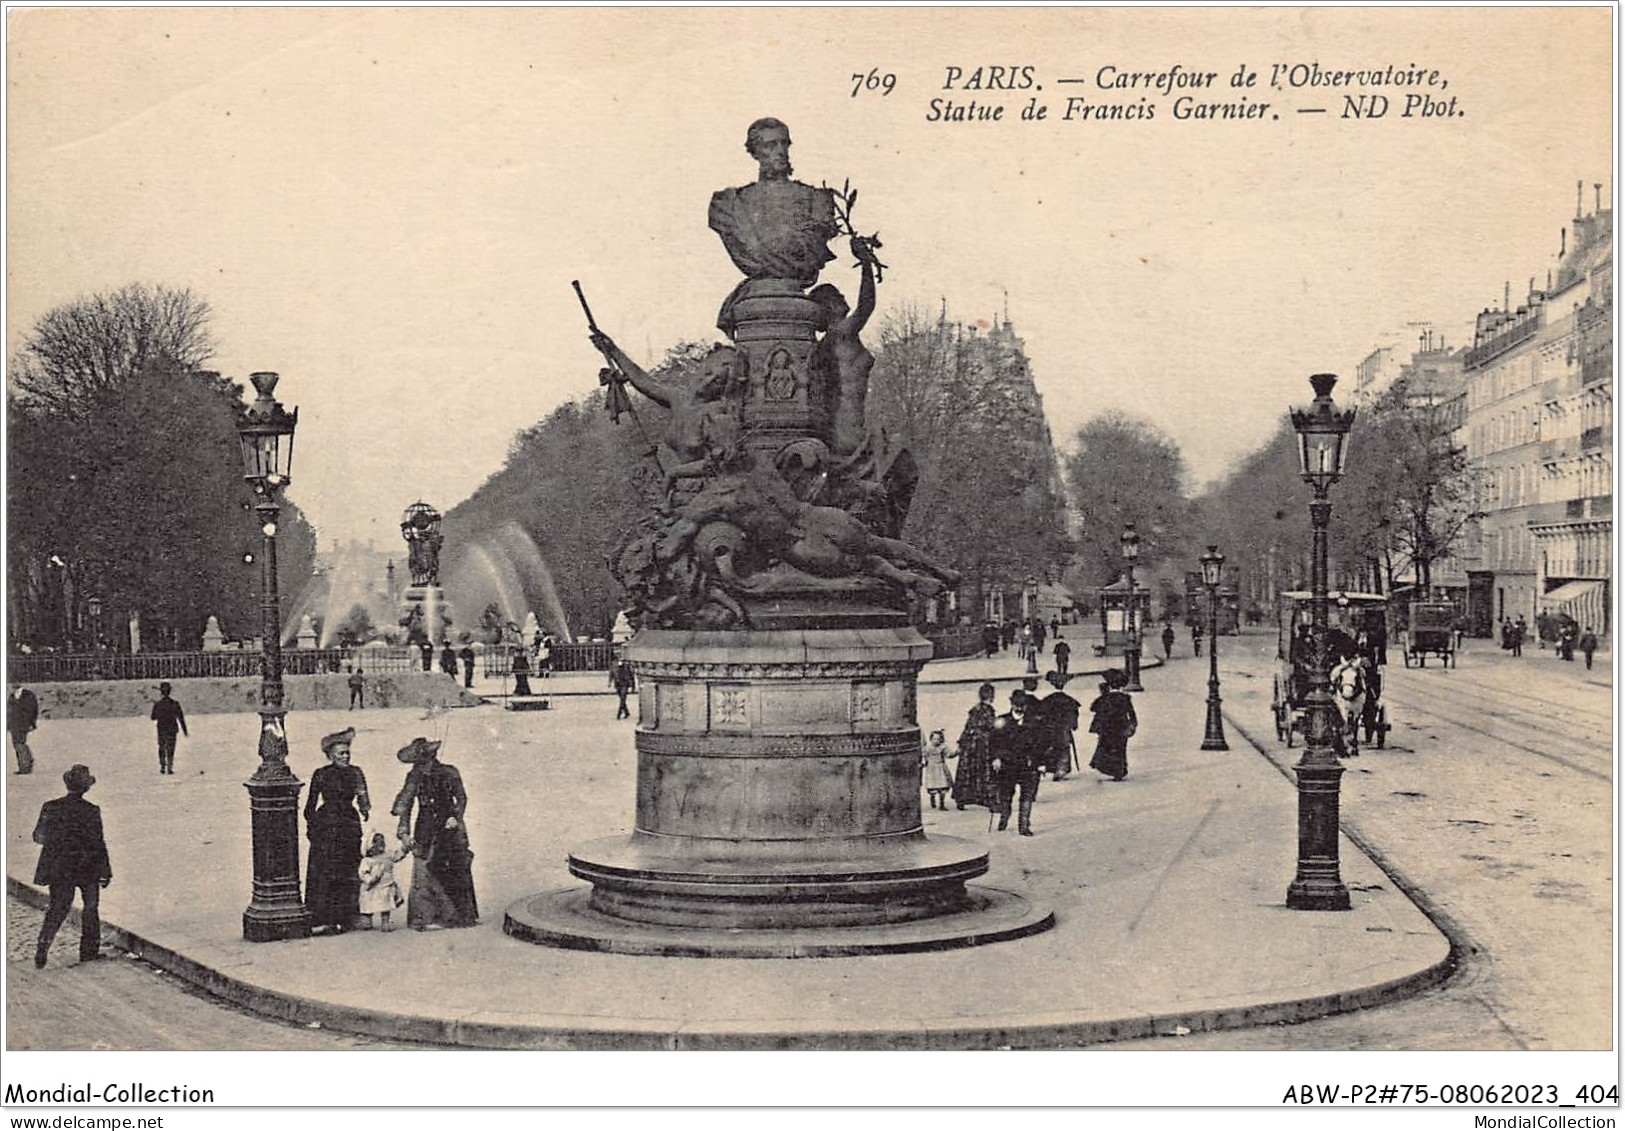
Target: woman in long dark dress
973,780
1114,724
442,893
337,805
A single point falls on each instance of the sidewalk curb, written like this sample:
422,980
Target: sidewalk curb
1465,954
992,1033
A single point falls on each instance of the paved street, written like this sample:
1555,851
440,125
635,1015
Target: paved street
1507,837
1494,800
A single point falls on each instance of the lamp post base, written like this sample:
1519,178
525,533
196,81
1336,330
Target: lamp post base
1213,733
1131,664
1318,885
275,910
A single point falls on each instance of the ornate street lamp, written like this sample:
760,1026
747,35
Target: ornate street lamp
1032,624
1322,453
1212,569
1131,645
275,910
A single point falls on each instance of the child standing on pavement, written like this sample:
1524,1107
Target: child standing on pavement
934,773
380,894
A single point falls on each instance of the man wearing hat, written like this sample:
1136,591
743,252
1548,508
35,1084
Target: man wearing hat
1018,748
73,854
171,721
1058,713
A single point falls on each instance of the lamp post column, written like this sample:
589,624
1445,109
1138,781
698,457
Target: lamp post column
1318,885
1131,645
1213,733
275,910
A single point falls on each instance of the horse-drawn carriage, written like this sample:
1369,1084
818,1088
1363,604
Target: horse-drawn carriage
1432,632
1357,634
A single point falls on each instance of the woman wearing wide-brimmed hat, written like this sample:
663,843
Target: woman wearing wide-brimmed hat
1114,723
442,893
337,805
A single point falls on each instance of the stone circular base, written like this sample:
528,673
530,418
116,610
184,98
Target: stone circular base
711,884
564,918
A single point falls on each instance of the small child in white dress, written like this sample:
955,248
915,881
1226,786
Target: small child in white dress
934,775
380,894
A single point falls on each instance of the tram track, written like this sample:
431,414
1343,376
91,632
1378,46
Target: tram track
1430,706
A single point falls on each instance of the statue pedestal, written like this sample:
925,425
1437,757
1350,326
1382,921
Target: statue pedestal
778,810
436,613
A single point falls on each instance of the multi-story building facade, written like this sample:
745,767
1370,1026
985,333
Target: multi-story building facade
1572,523
1544,478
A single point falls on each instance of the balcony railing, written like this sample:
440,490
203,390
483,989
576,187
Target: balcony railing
1501,342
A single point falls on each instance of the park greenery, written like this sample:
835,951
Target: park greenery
124,484
124,480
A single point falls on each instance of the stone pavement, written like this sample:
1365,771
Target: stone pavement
1168,890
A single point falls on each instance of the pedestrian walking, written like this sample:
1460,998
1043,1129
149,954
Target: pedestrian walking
624,682
171,720
1059,713
1588,645
1167,639
1114,724
1026,640
544,656
22,716
1567,633
1520,634
1019,748
1063,654
358,687
934,777
1008,636
1196,638
426,651
1543,629
973,777
380,894
521,672
1055,625
467,656
990,639
1038,636
73,854
442,893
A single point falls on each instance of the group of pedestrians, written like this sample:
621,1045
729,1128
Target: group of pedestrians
1002,757
1027,636
344,886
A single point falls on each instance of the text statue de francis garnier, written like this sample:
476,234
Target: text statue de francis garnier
778,801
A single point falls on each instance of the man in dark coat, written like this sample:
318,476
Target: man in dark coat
1063,653
624,682
1059,712
171,722
73,854
448,660
1167,640
1018,746
467,656
22,716
1588,645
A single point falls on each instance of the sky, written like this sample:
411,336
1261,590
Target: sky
387,206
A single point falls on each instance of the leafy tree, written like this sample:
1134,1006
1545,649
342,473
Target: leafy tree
1123,469
1411,491
989,499
124,477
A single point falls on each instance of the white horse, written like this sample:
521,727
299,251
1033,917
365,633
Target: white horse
1349,692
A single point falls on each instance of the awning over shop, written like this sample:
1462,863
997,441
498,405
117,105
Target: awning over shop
1570,591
